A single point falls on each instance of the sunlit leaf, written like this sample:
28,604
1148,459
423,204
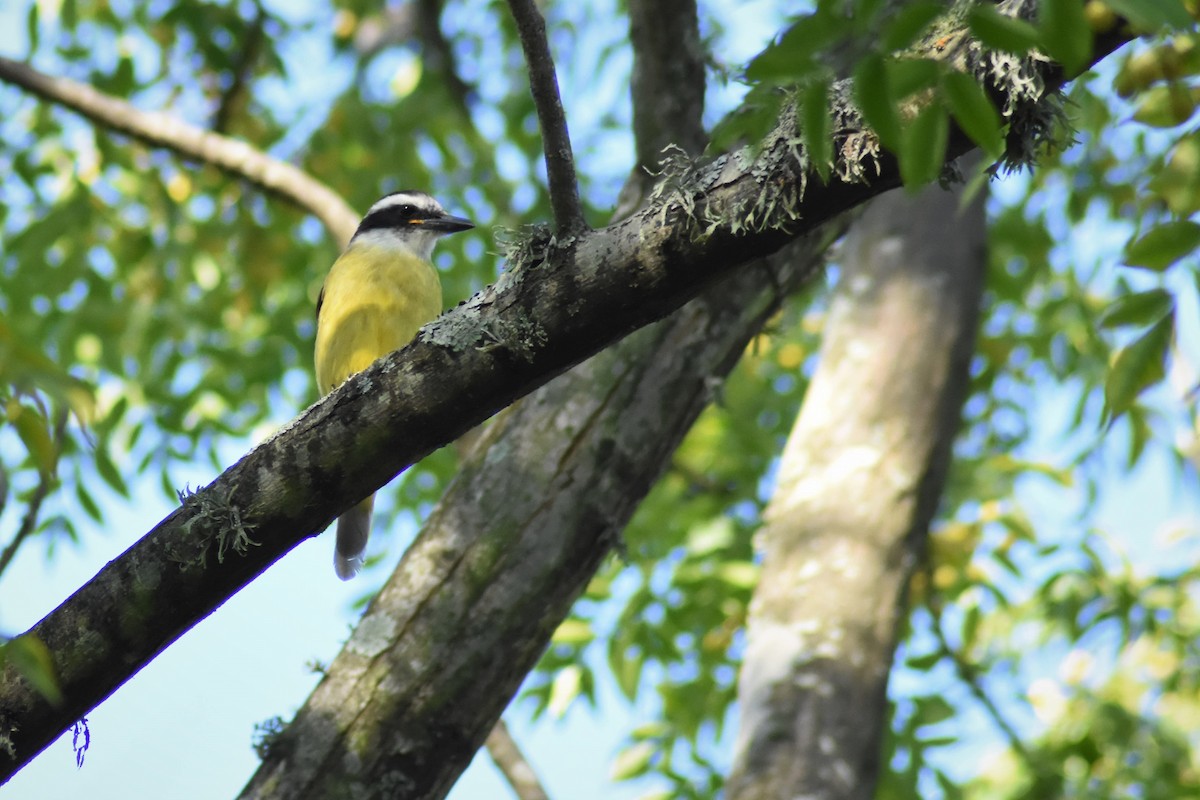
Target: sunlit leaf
32,659
565,688
574,632
34,430
742,574
633,761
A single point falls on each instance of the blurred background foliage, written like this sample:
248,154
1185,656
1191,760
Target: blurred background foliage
157,314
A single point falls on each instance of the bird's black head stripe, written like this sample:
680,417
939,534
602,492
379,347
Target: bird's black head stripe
391,217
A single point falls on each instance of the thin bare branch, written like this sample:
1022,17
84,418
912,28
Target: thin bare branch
968,674
667,90
512,764
164,130
233,98
439,56
46,481
668,78
556,142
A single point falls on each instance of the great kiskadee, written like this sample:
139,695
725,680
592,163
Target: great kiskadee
378,293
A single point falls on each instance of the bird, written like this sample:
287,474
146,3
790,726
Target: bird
377,295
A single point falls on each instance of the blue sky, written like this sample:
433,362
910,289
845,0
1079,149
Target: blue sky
185,723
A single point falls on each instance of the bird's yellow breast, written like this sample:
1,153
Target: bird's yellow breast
374,301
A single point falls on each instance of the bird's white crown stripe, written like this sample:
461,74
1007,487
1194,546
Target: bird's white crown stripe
417,199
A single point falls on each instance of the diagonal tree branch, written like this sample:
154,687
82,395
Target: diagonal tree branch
556,142
163,130
968,674
512,763
439,55
551,310
532,513
234,98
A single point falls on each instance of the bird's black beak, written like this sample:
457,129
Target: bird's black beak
445,223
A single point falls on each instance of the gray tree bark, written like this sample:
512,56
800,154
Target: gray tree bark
858,485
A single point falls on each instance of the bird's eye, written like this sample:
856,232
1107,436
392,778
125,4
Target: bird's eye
407,210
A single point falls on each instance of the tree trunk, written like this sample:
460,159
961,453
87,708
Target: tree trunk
858,484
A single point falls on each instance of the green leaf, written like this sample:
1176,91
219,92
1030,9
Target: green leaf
1139,308
627,670
817,126
650,730
740,574
933,709
34,430
573,632
923,147
907,76
795,55
32,659
1136,367
1178,182
633,761
874,100
109,472
748,123
1163,245
999,32
1150,15
923,663
28,368
123,81
970,627
89,504
938,741
1167,106
565,688
31,27
710,536
1065,34
909,23
974,112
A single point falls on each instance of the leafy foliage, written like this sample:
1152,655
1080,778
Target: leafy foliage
154,311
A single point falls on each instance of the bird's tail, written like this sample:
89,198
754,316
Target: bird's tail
353,528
